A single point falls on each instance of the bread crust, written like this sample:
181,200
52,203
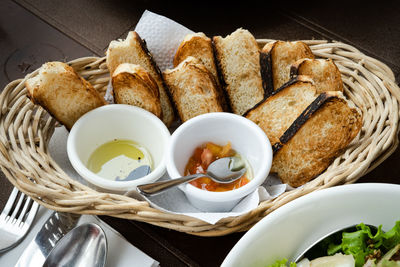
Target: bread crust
134,50
193,89
281,56
319,135
324,72
301,120
277,112
238,63
199,46
221,75
133,85
63,93
266,73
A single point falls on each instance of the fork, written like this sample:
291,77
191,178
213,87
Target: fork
16,219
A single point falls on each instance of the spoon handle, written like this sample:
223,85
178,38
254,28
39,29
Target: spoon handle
158,187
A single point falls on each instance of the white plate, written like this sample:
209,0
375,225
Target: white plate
290,229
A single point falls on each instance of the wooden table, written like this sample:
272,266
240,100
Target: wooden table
33,32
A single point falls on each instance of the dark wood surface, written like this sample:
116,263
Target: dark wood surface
36,31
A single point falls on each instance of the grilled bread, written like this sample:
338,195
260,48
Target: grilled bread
312,142
199,46
133,85
133,50
276,60
63,93
193,89
324,73
238,60
277,112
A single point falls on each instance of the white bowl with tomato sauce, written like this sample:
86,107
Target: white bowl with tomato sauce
220,128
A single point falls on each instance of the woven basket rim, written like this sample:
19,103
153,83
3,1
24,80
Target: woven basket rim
25,131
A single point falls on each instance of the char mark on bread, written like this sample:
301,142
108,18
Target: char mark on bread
221,77
266,73
281,56
300,120
134,50
274,114
310,145
168,111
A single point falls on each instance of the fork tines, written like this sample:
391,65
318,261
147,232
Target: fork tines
20,209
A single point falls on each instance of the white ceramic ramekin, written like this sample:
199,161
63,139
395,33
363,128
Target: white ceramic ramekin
246,138
117,121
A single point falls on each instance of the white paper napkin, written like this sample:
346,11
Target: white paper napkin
175,201
120,253
162,36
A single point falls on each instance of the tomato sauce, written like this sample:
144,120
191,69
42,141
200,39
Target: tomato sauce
202,157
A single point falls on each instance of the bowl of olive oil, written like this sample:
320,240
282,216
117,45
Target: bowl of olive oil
120,160
117,147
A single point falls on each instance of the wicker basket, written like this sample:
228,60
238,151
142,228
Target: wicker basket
25,131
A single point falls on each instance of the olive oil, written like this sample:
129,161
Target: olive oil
117,159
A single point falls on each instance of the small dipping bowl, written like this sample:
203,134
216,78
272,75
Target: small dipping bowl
246,138
117,121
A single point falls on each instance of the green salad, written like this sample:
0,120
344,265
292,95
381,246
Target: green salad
363,247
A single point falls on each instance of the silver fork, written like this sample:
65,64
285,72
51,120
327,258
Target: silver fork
16,219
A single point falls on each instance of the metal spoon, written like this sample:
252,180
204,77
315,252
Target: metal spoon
84,246
320,240
224,170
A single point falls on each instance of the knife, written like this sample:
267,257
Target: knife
56,226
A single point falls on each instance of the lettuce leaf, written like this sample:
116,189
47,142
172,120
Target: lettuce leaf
282,263
392,238
362,242
356,244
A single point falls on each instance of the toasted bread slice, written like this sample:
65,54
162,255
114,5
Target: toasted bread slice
238,60
133,85
193,89
316,138
324,73
276,60
63,93
134,50
277,112
199,46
